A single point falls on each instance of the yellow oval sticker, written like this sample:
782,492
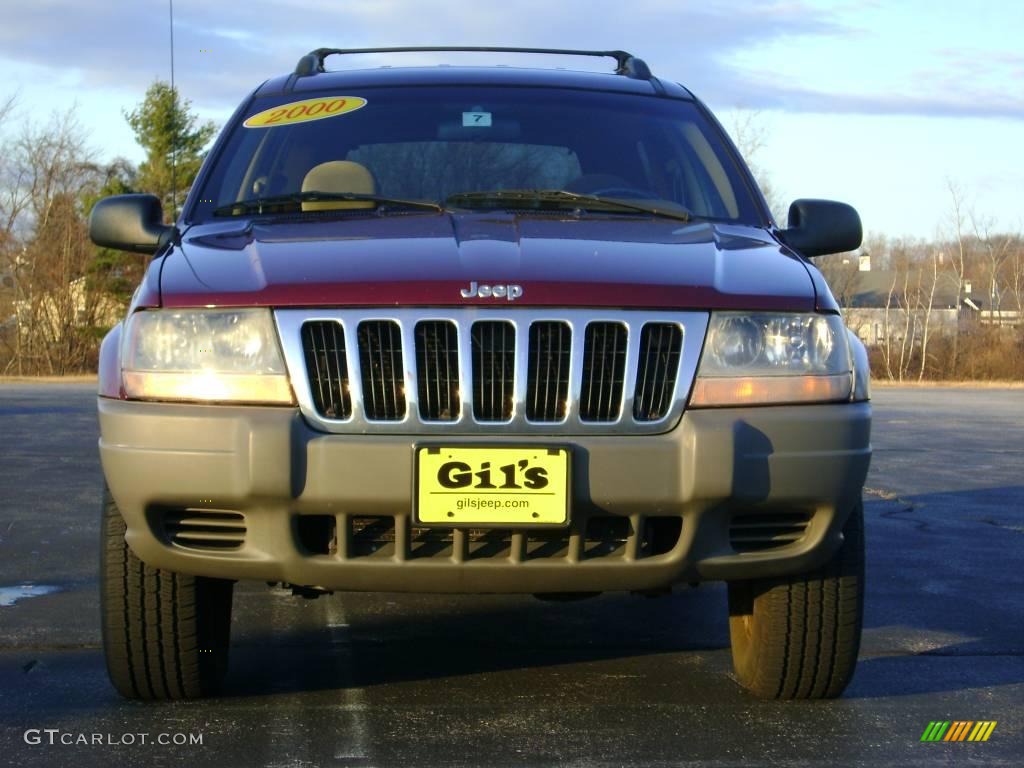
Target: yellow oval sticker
304,111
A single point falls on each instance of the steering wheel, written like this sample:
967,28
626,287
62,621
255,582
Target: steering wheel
629,193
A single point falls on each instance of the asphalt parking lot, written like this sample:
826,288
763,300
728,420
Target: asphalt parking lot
393,680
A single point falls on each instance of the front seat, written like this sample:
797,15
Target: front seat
338,176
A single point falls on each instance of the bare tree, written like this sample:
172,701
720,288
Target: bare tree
997,249
958,262
47,252
750,133
934,272
842,272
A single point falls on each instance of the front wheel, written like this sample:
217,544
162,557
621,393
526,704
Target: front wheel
797,637
165,634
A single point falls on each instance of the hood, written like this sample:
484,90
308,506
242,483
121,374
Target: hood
435,259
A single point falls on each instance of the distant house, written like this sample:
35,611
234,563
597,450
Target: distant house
68,309
883,304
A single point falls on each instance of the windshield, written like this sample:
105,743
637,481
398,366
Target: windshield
451,145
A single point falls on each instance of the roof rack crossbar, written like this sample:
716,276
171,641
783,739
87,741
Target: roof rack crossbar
626,63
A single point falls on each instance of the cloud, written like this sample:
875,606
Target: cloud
221,52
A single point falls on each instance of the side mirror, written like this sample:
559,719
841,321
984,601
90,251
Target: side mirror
130,223
817,227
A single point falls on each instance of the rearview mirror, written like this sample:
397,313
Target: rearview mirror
129,223
817,227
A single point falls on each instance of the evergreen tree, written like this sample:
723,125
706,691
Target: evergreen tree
164,125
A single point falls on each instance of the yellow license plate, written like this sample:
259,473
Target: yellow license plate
492,486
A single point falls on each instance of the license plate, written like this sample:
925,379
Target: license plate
501,486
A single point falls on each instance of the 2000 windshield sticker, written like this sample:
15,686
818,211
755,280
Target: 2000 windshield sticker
304,111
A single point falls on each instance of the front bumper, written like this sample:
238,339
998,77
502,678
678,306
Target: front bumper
333,511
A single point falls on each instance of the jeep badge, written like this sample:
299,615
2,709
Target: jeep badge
510,292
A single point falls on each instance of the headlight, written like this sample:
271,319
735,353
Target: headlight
226,355
760,359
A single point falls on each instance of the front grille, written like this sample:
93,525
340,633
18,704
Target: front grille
204,529
660,346
437,360
758,531
604,366
380,361
327,365
491,371
494,364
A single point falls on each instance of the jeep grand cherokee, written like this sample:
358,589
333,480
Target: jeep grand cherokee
480,330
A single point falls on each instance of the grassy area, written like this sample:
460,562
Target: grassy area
885,383
78,378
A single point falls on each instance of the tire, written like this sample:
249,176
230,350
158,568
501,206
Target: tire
165,635
797,637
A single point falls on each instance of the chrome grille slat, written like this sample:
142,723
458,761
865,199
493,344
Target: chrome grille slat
604,371
404,366
437,355
660,346
327,363
383,369
548,374
494,349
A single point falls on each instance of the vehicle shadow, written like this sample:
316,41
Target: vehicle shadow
431,637
945,579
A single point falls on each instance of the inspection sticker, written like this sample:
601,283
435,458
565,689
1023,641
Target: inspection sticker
304,111
476,119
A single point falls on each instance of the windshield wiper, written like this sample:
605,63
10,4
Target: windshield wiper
260,205
535,198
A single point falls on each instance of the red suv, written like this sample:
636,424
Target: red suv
468,330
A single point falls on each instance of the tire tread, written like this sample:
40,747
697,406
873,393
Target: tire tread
165,634
806,629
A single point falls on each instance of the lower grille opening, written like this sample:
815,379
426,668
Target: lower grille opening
208,529
317,534
760,531
372,536
489,543
546,545
661,534
606,536
430,542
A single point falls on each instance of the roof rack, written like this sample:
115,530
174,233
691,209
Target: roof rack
627,64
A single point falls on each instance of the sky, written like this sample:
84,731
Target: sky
880,104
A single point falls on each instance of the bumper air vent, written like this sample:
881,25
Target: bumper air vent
205,529
757,532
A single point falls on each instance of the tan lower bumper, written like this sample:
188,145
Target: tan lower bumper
266,466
